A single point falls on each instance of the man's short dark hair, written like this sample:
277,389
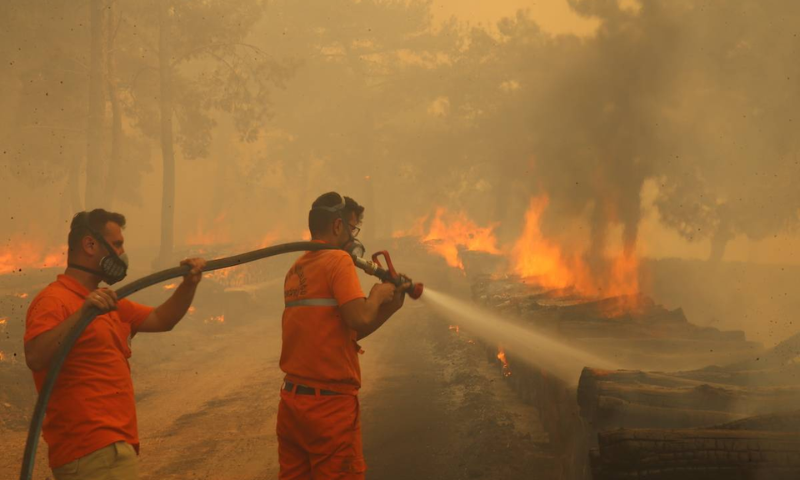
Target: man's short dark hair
319,219
95,220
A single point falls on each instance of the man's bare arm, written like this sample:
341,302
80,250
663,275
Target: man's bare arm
168,314
367,315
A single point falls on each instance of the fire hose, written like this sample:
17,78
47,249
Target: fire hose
373,267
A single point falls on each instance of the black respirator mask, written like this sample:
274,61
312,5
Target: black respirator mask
353,246
113,267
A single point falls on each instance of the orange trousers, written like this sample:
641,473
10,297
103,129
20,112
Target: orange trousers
319,437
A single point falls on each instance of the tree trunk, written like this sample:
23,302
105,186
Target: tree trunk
697,454
116,114
722,235
94,132
656,400
167,147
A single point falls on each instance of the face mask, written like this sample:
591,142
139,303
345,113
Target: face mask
113,267
355,248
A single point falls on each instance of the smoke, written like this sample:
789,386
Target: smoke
306,97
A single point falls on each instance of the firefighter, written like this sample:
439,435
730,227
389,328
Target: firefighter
326,314
90,423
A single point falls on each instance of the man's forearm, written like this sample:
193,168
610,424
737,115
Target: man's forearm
172,311
41,350
383,314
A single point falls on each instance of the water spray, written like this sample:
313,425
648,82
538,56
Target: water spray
533,347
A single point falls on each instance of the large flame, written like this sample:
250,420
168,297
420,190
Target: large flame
448,233
544,262
20,255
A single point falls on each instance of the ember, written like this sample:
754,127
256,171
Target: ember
2,356
170,286
501,355
21,295
220,319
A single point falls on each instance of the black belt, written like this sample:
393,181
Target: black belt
304,390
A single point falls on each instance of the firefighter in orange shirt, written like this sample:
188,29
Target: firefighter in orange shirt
327,313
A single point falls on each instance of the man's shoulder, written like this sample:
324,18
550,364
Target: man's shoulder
332,255
52,298
54,291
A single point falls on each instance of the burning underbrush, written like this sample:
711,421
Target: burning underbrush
565,270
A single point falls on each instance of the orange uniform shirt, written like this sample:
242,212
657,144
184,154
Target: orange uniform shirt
319,349
92,405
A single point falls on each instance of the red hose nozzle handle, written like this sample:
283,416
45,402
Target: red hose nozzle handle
416,291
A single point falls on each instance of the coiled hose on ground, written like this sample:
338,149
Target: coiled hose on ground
28,460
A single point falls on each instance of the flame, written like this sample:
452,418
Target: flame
3,323
453,327
192,310
170,286
542,261
21,295
449,232
270,238
501,355
2,356
23,254
216,319
214,235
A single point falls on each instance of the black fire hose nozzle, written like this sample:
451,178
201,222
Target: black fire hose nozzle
375,268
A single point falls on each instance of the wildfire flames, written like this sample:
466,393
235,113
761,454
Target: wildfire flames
21,295
450,232
218,319
535,258
21,255
3,322
2,356
453,327
544,262
501,355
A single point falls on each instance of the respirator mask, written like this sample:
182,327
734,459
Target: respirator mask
113,267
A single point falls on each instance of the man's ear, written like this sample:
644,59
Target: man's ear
89,244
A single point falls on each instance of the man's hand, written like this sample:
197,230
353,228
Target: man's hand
399,296
196,273
104,299
383,292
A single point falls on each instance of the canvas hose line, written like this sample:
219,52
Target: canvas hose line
37,419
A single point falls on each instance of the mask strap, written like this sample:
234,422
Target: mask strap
85,269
